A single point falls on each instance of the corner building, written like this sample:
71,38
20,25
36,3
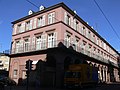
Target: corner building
58,35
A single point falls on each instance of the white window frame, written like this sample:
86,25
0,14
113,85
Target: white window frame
17,47
38,42
67,18
27,25
15,72
26,45
52,39
76,44
68,40
19,28
41,21
51,18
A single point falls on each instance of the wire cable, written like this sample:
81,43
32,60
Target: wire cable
107,19
32,4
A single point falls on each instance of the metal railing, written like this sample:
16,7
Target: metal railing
43,46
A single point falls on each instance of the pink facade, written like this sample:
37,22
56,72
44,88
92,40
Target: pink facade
45,29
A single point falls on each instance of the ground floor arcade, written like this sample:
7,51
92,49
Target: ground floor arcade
54,62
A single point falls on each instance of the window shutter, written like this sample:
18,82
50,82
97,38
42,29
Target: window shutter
72,22
35,21
31,24
33,43
87,33
53,17
43,21
29,40
23,27
45,38
69,21
13,47
82,46
49,16
55,39
65,17
65,38
15,29
21,45
29,44
72,40
78,28
44,41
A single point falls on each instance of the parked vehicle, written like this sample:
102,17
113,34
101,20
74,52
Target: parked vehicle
6,81
80,75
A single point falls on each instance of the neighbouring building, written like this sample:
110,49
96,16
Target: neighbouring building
4,61
57,35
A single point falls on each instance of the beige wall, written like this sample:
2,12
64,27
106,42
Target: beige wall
4,62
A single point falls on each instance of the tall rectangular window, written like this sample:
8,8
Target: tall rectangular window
17,49
76,43
26,45
83,31
93,38
89,49
27,25
52,40
67,39
23,74
76,24
15,72
19,28
84,47
38,43
89,35
97,41
105,46
67,18
41,21
51,18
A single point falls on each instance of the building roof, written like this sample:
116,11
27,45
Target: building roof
71,12
4,54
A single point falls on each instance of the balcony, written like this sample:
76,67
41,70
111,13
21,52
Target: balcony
43,46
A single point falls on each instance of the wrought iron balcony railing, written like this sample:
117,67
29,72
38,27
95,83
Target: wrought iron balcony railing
43,46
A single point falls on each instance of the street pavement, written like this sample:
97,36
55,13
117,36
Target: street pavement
109,86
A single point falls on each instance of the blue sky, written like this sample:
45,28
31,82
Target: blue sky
11,10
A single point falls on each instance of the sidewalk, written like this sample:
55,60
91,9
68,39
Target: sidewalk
113,82
24,88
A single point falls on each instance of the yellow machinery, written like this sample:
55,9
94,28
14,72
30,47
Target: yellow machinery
79,75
